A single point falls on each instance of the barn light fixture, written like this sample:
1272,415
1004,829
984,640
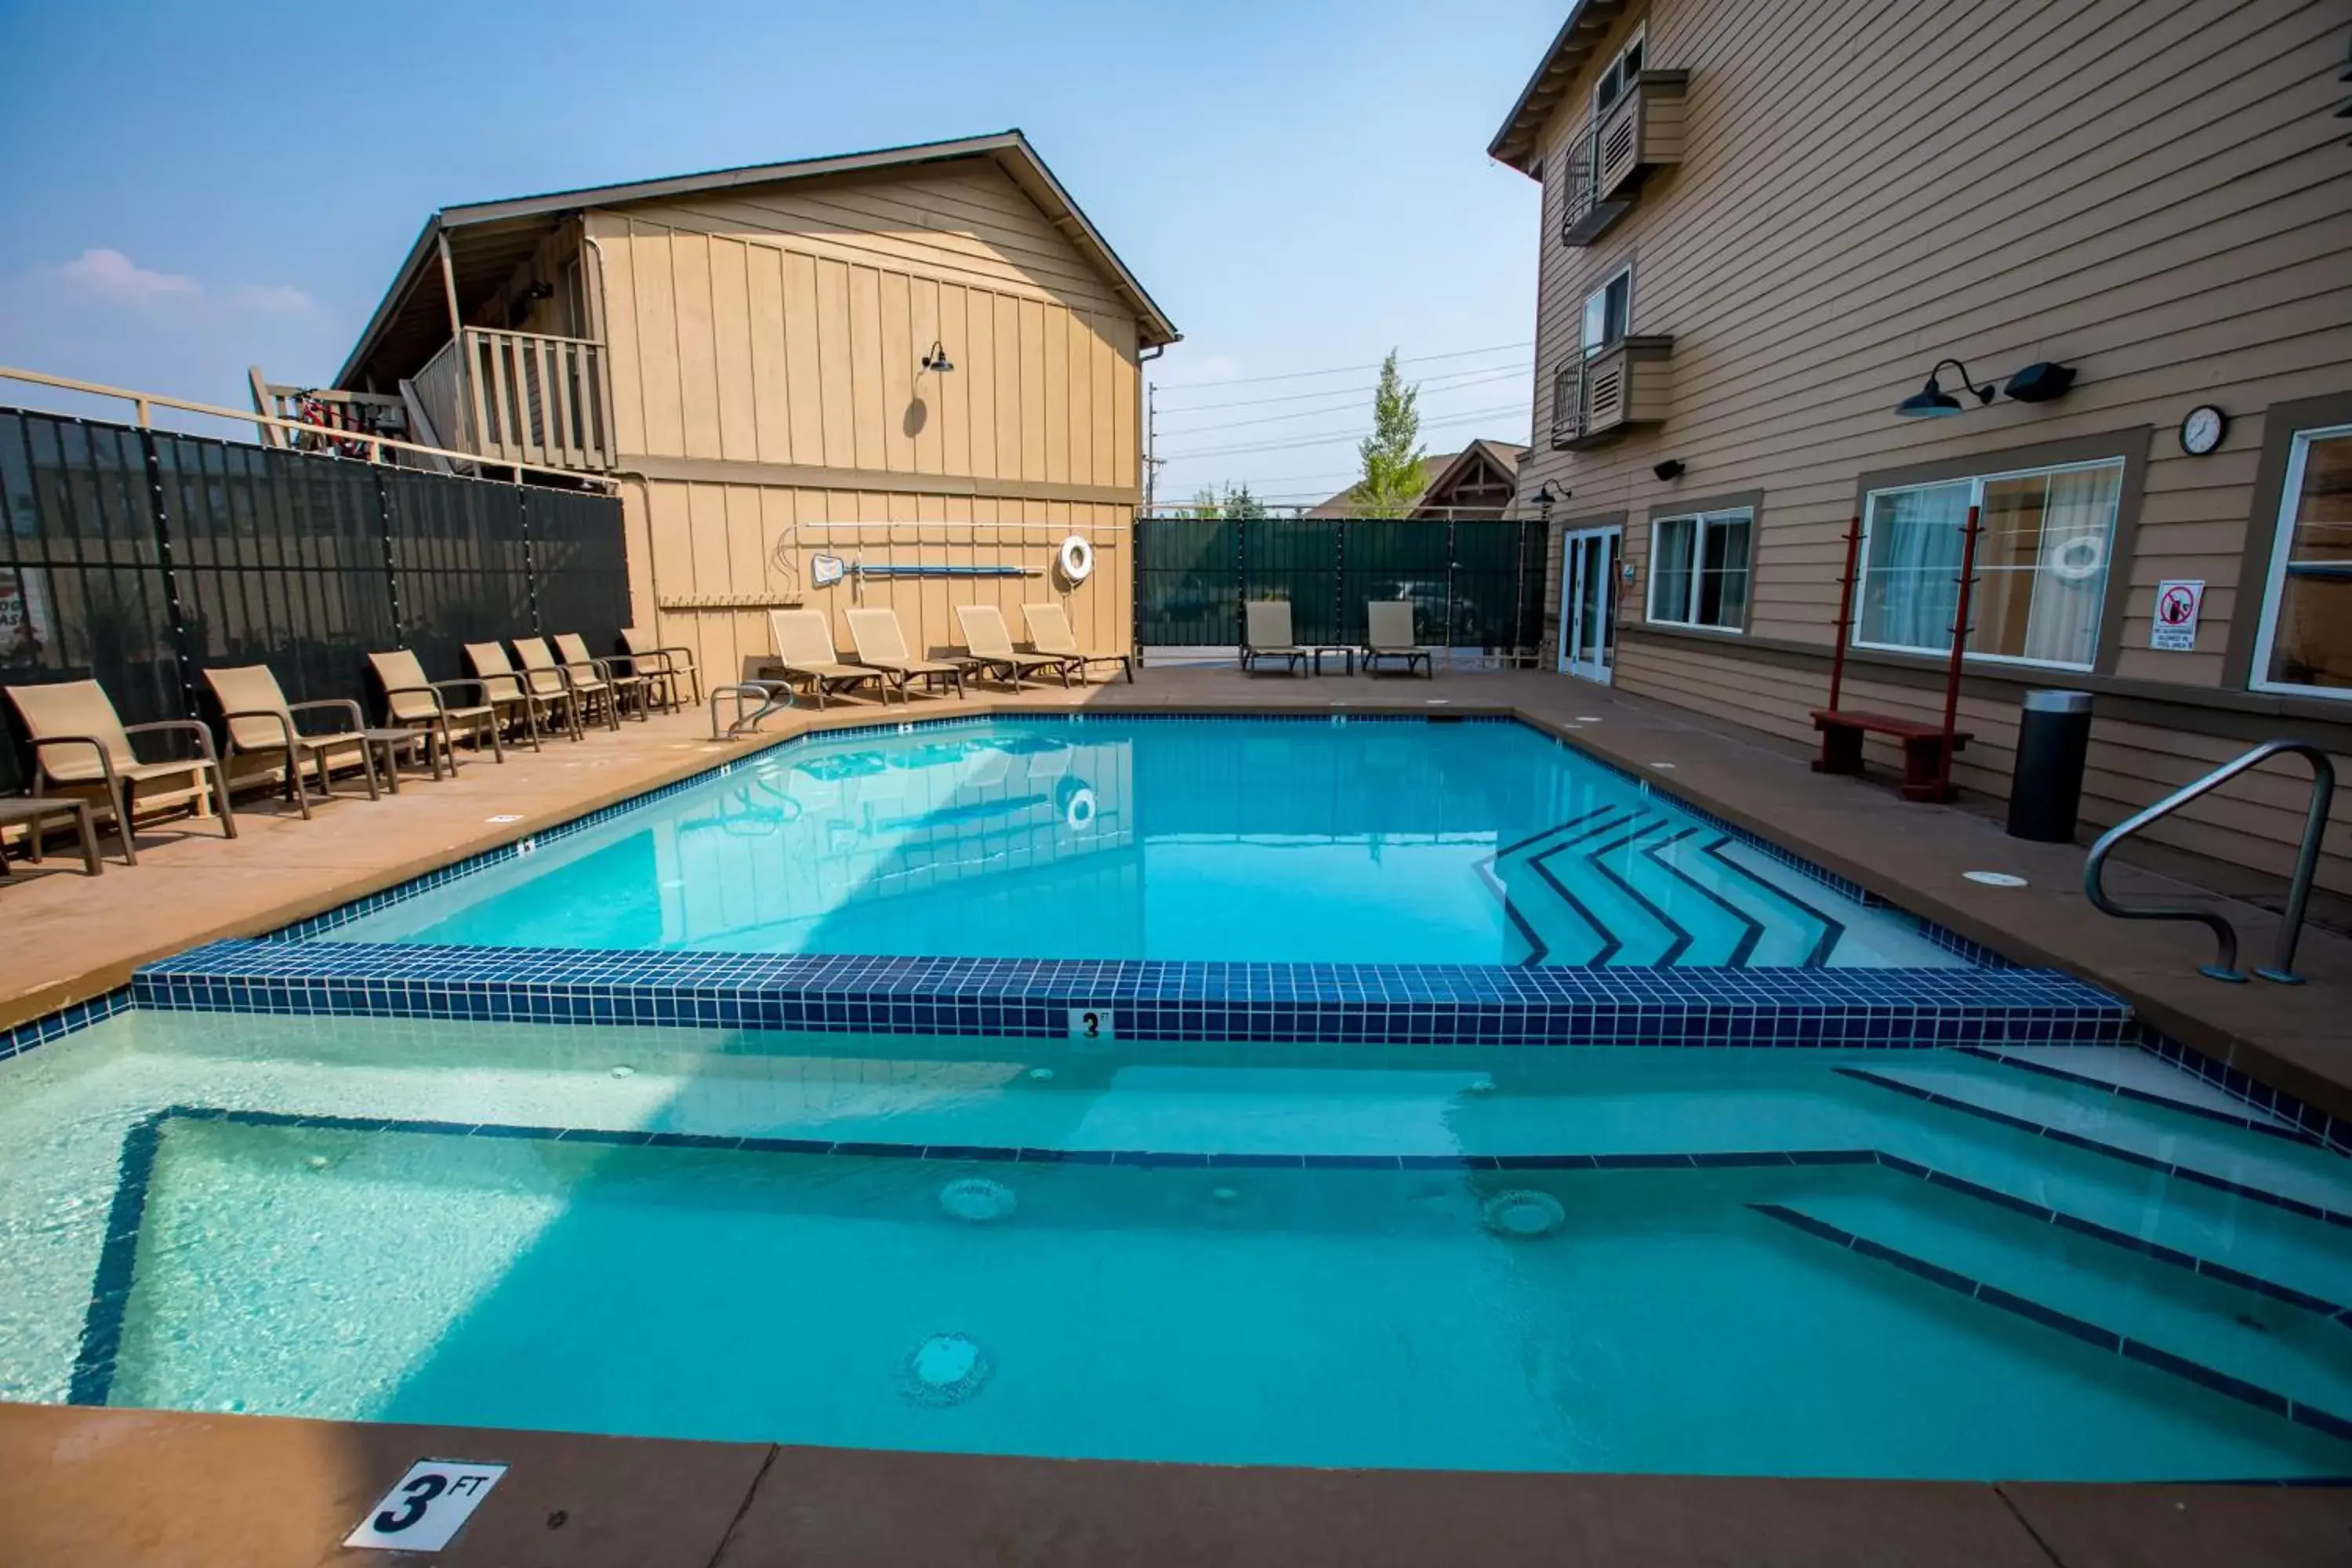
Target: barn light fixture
1672,469
1932,402
1551,492
938,359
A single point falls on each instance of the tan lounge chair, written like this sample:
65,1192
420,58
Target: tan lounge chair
664,665
261,722
1388,634
1049,632
546,675
805,651
1266,635
875,634
81,748
618,672
503,689
414,701
990,647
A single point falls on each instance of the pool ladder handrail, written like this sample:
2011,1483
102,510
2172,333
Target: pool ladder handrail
773,696
2225,966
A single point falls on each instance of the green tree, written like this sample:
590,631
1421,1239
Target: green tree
1393,453
1235,505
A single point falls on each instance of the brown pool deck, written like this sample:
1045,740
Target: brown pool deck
134,1488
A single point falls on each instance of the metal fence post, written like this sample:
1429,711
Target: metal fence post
183,654
391,560
530,560
1452,564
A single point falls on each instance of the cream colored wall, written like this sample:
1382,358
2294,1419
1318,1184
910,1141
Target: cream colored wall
764,353
2159,195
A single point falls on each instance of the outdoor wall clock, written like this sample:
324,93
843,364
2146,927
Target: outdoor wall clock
2203,429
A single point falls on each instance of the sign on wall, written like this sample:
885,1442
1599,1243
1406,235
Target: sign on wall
2178,603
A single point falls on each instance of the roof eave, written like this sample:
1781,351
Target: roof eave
1513,141
402,281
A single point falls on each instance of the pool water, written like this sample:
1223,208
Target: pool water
1690,1261
1200,839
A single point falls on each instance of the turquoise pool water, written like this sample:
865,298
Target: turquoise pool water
1226,838
1321,1262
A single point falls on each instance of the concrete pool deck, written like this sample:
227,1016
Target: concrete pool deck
126,1489
70,938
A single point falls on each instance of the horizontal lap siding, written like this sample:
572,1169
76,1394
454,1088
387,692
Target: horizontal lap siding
785,326
2154,193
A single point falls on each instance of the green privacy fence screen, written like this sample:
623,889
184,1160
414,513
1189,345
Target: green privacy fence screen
1473,585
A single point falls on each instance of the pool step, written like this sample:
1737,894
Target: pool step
2292,1344
2203,1366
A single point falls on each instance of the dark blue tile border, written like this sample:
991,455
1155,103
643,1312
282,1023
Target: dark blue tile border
63,1022
1033,998
2209,1378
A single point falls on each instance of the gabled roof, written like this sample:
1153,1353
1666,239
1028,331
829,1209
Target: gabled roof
1503,457
524,217
1589,21
1344,503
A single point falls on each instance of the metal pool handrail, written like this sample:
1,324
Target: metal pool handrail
771,697
2225,966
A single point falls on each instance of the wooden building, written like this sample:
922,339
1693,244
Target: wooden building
903,377
1478,482
1766,227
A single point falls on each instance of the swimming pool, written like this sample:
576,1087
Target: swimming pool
2029,1264
1337,841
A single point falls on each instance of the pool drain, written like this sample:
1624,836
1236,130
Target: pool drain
946,1369
978,1200
1522,1214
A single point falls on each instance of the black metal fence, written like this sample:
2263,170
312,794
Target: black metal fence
142,557
1473,585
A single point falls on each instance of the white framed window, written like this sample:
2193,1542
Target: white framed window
1609,312
2042,563
1700,566
1617,77
2305,643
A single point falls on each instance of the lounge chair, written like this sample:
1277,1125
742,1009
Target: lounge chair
1388,634
414,701
503,689
81,748
664,664
546,675
805,651
617,671
1049,632
875,634
261,722
1266,635
992,649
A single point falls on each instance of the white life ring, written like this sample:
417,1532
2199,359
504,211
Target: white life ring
1078,559
1080,815
2079,559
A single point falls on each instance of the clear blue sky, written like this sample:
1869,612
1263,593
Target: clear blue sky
1301,185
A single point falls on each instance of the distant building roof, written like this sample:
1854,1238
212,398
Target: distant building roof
1478,480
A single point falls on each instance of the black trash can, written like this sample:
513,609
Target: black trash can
2046,793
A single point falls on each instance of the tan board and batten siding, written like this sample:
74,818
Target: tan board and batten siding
2153,192
779,333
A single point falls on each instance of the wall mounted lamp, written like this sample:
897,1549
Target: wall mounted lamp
2040,381
1932,402
938,358
1672,469
1551,492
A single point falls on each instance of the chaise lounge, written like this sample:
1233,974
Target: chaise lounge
1266,635
992,653
880,643
1049,632
805,651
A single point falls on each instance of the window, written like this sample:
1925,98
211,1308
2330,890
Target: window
1609,312
1617,77
2306,636
2041,564
1699,569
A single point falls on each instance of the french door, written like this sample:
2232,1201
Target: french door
1587,603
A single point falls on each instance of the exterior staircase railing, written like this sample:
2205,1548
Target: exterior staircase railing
2306,864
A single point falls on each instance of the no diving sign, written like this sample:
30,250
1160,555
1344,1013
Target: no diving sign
2176,606
426,1507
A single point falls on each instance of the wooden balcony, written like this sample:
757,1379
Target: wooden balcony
1614,153
1622,388
516,397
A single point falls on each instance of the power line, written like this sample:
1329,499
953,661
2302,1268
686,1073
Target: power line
1258,419
1468,416
1343,369
1517,367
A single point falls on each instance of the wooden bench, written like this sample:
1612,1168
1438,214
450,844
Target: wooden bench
1923,748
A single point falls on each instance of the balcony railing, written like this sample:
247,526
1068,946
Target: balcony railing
1598,397
1610,155
519,397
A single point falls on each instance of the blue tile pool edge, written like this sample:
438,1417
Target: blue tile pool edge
360,908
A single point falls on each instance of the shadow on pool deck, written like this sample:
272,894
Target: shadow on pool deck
110,1489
